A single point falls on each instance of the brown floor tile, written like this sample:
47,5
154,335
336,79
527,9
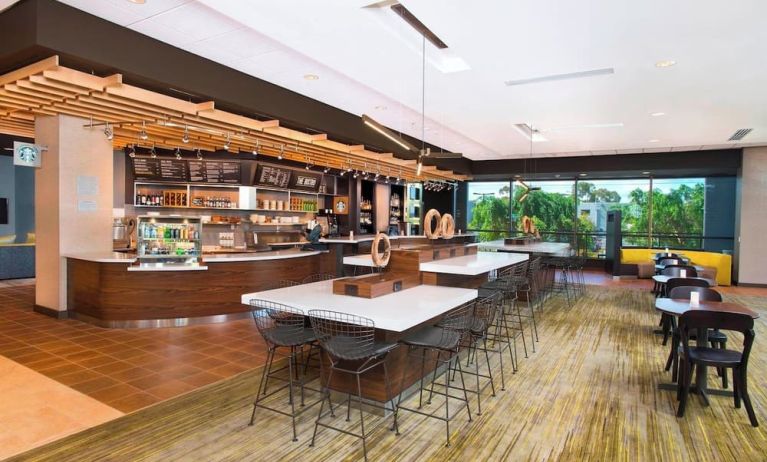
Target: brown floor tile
170,389
92,385
95,361
201,379
114,392
146,382
134,402
78,377
229,369
61,370
131,373
209,362
113,367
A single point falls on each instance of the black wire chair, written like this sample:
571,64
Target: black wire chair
486,311
282,284
444,341
317,278
349,342
282,327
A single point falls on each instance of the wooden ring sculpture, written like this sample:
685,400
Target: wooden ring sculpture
447,226
379,259
428,227
527,223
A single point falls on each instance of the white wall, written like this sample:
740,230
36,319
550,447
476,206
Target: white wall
68,222
752,218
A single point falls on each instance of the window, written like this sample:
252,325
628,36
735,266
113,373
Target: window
597,197
677,212
487,209
552,208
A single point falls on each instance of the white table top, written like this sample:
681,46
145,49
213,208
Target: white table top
370,237
395,312
550,248
364,259
471,265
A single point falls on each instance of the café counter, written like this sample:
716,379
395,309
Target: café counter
110,290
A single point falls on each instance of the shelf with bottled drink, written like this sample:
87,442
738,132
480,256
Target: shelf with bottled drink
169,238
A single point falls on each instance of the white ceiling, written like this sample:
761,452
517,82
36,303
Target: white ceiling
368,61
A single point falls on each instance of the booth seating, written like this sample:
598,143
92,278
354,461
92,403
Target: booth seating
716,266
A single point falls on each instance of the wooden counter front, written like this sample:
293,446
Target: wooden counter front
109,295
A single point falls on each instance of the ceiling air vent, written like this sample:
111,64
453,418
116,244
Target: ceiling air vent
739,134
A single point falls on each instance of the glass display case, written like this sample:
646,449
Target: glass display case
175,240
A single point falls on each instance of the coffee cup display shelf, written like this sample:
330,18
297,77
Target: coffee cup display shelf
167,195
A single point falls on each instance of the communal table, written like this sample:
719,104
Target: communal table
677,307
538,248
469,270
394,315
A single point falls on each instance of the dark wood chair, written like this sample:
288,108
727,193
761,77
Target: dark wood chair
715,337
693,356
668,322
661,255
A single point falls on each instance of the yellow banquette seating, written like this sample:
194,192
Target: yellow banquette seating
719,261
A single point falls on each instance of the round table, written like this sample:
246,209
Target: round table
677,307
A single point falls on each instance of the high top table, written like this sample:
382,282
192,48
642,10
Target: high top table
394,316
677,307
468,270
551,249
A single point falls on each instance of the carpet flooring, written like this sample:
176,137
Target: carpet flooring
589,393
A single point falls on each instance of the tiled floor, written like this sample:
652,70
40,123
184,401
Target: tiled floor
126,369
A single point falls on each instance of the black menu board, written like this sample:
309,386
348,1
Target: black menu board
305,181
214,172
173,170
268,175
146,168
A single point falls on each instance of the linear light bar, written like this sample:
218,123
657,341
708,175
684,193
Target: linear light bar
554,77
386,132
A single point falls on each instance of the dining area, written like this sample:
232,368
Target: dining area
696,322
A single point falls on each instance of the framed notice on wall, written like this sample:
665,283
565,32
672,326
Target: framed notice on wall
305,181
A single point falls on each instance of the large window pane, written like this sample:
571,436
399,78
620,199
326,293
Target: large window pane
678,206
597,197
552,208
487,209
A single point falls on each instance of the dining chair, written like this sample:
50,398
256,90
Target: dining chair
696,357
716,338
667,321
351,348
282,327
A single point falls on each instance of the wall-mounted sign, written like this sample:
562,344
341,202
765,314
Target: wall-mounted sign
268,175
341,205
26,154
305,181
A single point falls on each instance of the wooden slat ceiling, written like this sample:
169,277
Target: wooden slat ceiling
46,88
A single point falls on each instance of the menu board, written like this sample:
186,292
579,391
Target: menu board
305,181
214,172
272,176
154,169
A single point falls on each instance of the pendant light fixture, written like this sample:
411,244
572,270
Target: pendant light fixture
422,152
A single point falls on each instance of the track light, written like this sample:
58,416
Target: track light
153,152
356,174
282,150
326,170
178,153
131,151
255,149
228,142
343,172
199,154
142,134
108,132
185,138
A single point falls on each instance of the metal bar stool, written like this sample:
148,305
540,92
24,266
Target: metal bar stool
349,342
445,341
486,310
282,327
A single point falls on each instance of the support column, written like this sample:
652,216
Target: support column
73,203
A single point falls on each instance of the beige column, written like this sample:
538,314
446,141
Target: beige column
73,201
751,218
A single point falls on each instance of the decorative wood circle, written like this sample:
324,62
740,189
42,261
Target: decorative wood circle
526,224
447,226
428,227
381,259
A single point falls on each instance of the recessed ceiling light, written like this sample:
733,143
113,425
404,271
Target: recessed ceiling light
665,63
653,140
381,108
582,174
311,77
645,173
657,114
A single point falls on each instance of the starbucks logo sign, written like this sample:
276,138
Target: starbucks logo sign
26,154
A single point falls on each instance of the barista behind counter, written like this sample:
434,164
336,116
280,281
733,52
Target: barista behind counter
110,290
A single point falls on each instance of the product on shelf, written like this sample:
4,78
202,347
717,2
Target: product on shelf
167,239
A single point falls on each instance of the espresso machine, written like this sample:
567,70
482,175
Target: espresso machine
328,220
122,231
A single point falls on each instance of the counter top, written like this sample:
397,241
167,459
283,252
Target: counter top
117,257
168,267
259,256
393,312
370,237
472,265
549,248
104,257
